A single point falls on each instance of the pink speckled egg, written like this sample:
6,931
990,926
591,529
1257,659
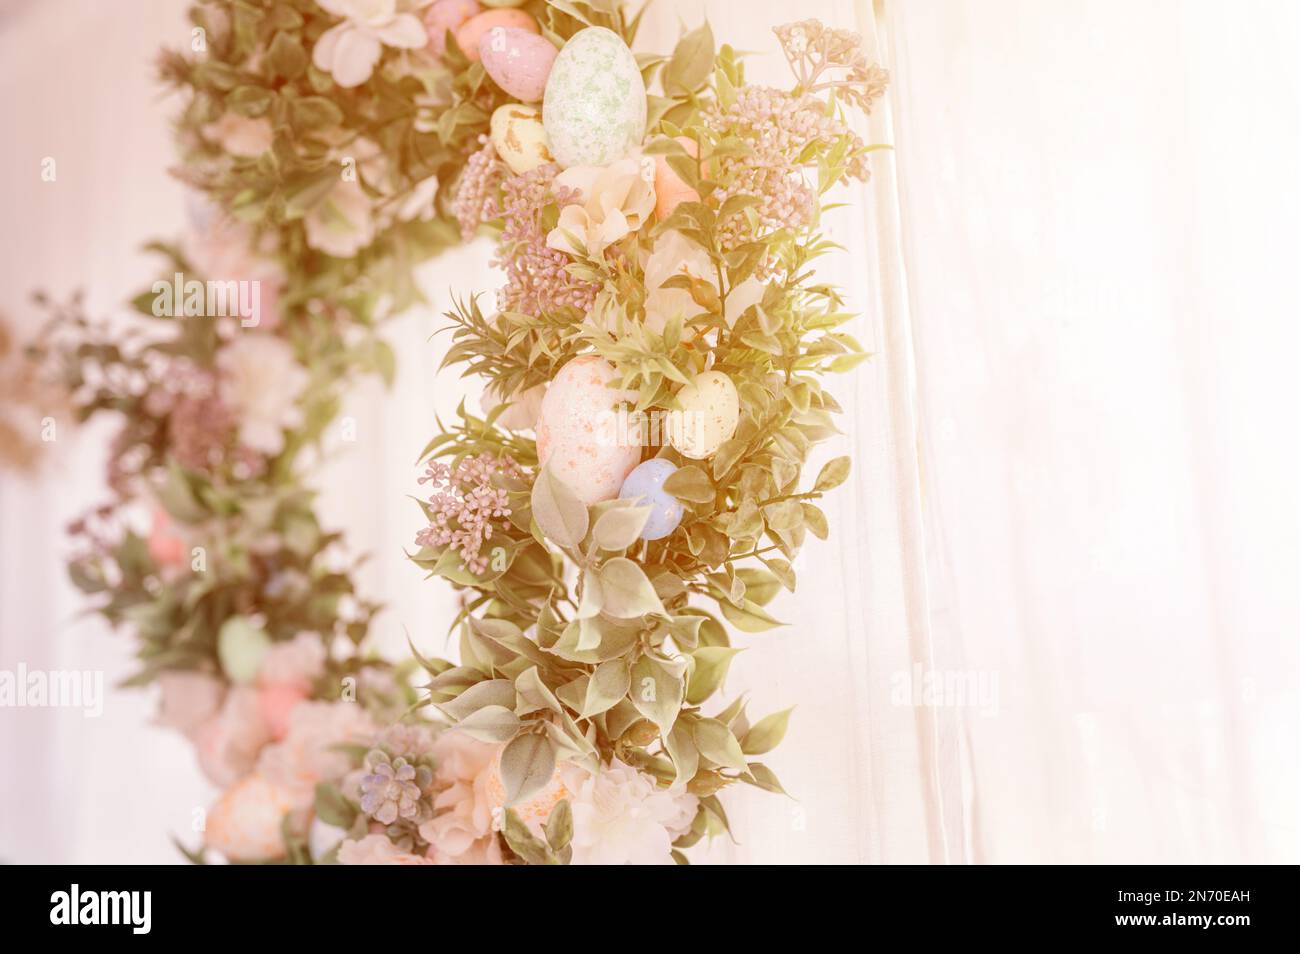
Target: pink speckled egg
518,61
469,33
588,443
447,15
670,189
245,824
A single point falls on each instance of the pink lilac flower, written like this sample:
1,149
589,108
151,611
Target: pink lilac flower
464,506
475,201
537,277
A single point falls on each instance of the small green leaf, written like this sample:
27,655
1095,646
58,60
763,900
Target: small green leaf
833,474
717,744
527,764
490,724
628,592
690,484
558,510
559,826
619,528
607,687
766,734
711,665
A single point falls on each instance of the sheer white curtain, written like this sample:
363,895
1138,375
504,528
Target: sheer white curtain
1072,494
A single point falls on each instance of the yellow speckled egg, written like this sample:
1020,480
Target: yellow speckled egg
518,61
581,434
533,811
519,137
447,15
244,825
595,105
708,416
670,189
472,30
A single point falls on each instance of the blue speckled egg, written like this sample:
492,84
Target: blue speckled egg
646,482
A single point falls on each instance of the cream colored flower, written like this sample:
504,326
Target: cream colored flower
622,817
342,223
675,254
241,135
262,382
462,831
615,201
348,51
309,752
246,823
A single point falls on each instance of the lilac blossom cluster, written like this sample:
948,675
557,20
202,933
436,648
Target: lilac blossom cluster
475,201
537,276
464,505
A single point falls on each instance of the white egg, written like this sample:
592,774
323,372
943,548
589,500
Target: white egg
587,442
708,416
595,105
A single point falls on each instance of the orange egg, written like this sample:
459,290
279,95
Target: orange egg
670,189
474,29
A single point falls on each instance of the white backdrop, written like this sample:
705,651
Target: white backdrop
1073,484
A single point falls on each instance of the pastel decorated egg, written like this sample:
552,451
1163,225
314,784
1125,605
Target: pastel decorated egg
241,646
595,106
469,33
582,435
518,61
447,15
244,825
709,413
670,189
646,484
519,137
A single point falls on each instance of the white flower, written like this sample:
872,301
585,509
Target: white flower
348,51
189,699
261,381
342,223
419,203
621,817
616,200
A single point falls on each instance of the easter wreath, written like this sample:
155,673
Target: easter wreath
653,368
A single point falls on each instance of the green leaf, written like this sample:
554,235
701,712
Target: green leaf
749,617
286,56
558,510
767,733
559,826
251,101
620,528
527,764
522,841
833,474
690,484
490,692
717,744
711,665
681,747
656,693
607,687
760,776
490,724
332,807
533,695
628,592
315,112
692,62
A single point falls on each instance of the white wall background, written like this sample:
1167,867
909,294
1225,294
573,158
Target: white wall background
1074,452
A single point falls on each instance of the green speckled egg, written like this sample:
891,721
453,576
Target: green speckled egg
594,108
